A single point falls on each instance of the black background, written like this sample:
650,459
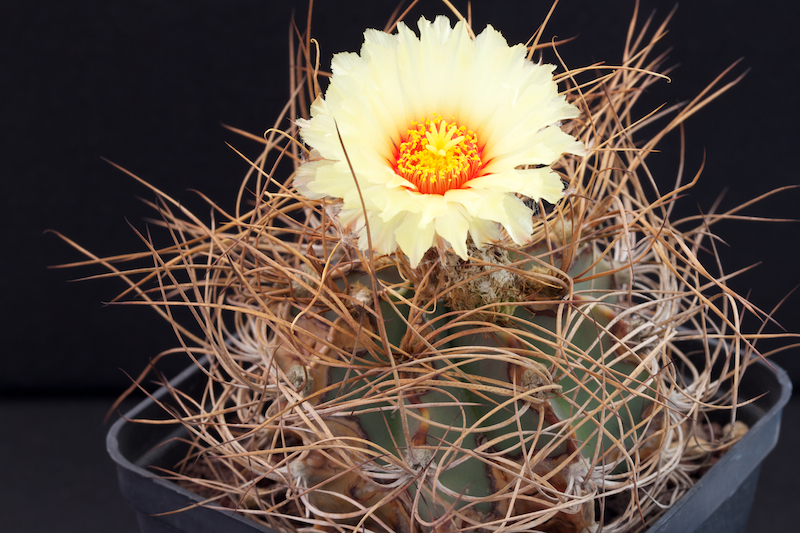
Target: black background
147,85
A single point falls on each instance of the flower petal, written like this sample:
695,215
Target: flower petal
454,229
414,239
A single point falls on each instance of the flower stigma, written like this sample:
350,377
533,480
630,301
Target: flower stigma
437,157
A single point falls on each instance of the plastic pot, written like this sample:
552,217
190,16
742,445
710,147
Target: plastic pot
720,501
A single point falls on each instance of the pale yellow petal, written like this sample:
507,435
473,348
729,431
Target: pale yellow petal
469,199
535,183
413,240
541,183
511,213
483,231
381,233
453,228
305,180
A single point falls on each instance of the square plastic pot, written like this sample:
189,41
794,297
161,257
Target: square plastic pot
719,502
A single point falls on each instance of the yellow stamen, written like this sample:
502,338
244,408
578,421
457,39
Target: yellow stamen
448,159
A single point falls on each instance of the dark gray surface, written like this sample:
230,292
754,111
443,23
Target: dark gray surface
56,475
778,494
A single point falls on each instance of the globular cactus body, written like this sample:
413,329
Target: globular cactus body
476,414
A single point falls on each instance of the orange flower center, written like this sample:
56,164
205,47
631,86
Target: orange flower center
437,157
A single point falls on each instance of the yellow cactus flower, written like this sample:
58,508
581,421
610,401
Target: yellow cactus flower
442,132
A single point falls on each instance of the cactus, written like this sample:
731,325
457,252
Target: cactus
473,386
